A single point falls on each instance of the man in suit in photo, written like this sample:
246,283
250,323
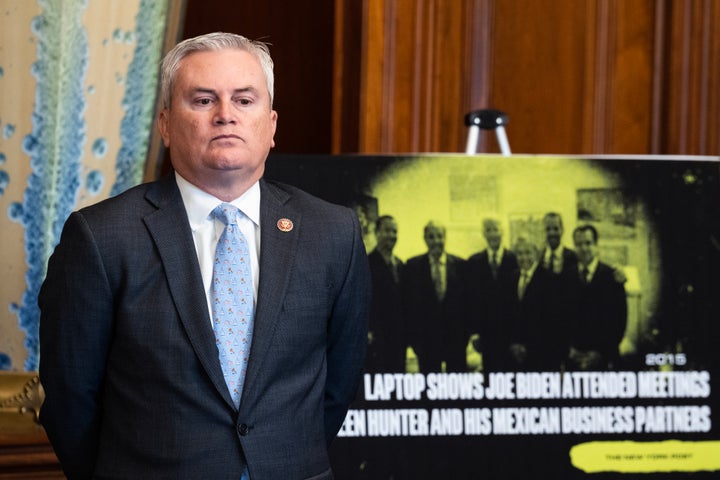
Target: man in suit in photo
556,257
433,305
140,381
387,341
561,262
600,315
537,335
487,271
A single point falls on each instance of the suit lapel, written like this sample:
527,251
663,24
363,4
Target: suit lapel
278,249
170,230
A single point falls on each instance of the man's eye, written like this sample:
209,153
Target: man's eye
244,101
203,101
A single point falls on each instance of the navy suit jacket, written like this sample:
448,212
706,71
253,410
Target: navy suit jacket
569,264
133,383
436,328
483,290
480,264
536,321
600,314
386,348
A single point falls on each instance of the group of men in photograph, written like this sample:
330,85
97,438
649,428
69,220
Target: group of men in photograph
526,308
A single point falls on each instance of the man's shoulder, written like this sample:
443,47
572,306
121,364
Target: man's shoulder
375,257
131,201
604,269
509,254
455,259
286,193
417,260
377,261
479,256
543,274
569,254
606,272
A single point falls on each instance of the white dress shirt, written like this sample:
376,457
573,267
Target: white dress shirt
206,230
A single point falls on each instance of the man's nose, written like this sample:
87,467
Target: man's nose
224,113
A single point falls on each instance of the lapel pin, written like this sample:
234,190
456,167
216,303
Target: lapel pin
285,225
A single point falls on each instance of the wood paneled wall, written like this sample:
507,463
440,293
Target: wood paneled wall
300,34
690,68
415,69
584,77
575,77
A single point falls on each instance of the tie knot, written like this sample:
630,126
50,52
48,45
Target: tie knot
226,213
585,274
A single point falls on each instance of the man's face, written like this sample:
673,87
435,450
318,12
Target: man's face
553,231
387,235
220,125
493,234
585,246
435,241
526,255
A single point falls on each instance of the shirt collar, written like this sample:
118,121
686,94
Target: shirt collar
498,253
199,203
440,261
529,272
591,267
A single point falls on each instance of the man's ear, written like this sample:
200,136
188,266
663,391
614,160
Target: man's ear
274,116
163,127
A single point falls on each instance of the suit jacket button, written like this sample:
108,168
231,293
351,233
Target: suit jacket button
243,429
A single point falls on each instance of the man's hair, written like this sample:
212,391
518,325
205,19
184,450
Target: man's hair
212,42
494,221
587,228
434,224
381,219
523,240
553,215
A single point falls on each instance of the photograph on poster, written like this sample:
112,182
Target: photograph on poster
563,331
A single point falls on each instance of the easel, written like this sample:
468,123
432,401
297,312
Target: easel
487,119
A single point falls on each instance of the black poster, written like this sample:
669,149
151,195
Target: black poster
533,317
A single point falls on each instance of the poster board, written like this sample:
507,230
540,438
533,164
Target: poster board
649,411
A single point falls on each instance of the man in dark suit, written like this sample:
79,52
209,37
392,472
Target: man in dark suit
600,307
487,271
129,358
387,340
432,286
561,262
537,335
556,257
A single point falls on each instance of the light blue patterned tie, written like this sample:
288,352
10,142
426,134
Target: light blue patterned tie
232,294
